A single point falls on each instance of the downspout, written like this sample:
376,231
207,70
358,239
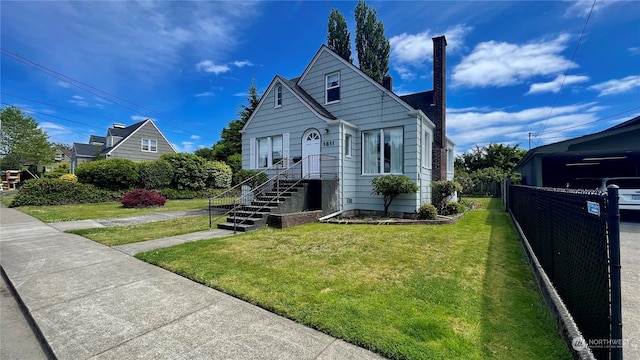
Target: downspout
421,159
327,217
342,140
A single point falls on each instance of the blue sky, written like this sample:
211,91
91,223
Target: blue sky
513,67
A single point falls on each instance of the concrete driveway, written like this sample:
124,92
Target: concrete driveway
630,260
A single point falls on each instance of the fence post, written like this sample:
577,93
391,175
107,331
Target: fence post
613,220
234,216
209,214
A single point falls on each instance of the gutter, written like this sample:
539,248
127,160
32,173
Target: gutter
327,217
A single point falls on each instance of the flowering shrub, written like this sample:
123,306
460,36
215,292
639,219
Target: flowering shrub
69,177
142,198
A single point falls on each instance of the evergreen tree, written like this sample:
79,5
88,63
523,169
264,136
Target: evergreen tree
372,46
338,37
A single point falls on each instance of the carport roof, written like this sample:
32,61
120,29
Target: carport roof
622,140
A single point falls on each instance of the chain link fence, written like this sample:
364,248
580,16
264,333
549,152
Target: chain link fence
567,230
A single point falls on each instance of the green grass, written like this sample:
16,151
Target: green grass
112,236
461,291
55,213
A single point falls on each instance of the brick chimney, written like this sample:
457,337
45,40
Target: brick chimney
440,108
387,82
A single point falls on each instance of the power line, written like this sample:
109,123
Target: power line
94,90
591,122
575,51
57,106
50,115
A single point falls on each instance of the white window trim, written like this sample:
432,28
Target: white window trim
428,150
327,88
348,145
149,146
278,96
269,139
381,144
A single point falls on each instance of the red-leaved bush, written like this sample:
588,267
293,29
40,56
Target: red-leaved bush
142,198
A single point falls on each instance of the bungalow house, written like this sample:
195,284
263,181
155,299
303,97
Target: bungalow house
343,128
138,142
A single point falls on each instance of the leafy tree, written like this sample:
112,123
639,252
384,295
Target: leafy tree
372,46
338,37
390,186
230,142
189,171
22,142
501,156
442,192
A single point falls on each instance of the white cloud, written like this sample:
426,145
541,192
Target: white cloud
411,52
151,37
204,94
555,85
242,63
63,84
209,67
582,8
195,137
500,64
138,117
514,127
184,147
618,86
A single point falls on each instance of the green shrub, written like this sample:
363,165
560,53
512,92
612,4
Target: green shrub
218,175
175,194
155,174
189,171
427,212
58,192
69,177
243,175
390,186
453,208
142,198
441,191
114,174
235,162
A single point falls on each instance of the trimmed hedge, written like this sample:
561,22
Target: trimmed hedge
218,175
189,171
427,212
243,175
155,174
46,191
142,198
113,174
69,177
453,208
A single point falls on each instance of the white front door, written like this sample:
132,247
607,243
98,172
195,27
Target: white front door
311,154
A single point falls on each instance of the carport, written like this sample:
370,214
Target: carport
614,152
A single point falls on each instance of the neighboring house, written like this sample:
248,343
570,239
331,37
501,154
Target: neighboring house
343,127
138,142
614,152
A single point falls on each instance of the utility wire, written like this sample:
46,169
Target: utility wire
57,106
575,51
591,122
28,111
93,90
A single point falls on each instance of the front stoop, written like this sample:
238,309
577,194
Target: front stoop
253,217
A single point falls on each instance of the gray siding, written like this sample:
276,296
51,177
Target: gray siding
131,147
363,104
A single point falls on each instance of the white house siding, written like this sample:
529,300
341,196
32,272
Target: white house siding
131,147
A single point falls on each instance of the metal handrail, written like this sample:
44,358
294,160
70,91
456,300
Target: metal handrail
293,172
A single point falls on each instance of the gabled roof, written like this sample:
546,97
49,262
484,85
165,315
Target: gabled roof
124,132
421,101
129,131
293,85
97,139
85,150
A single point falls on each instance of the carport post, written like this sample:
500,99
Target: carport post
613,221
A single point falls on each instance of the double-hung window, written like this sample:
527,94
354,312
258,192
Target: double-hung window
383,151
270,151
149,145
347,145
332,88
426,153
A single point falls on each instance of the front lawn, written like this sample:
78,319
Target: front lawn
119,235
114,209
460,291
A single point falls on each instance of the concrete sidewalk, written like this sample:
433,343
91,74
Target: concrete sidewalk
90,301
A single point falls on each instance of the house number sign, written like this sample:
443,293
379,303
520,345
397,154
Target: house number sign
328,143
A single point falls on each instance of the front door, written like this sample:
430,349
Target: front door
311,154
